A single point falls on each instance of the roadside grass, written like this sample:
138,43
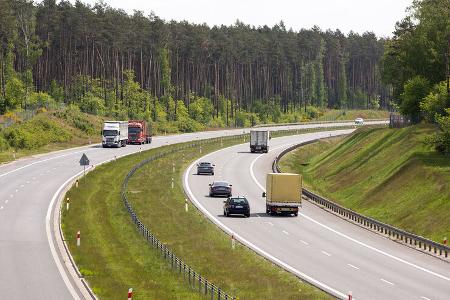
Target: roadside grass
114,257
342,115
388,174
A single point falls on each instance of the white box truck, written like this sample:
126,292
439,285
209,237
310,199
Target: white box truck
283,193
259,141
115,134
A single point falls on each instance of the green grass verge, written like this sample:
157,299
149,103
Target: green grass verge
388,174
114,257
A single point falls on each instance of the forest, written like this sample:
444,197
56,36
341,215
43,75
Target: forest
107,62
72,50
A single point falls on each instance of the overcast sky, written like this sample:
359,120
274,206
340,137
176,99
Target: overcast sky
378,16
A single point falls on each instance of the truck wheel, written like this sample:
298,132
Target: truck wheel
295,214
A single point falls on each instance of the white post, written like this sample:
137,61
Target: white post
221,142
14,154
172,182
200,149
186,207
233,242
173,167
130,293
78,238
67,203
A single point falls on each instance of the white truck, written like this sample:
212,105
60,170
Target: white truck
283,193
115,134
259,141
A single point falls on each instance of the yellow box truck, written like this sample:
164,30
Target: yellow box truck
283,193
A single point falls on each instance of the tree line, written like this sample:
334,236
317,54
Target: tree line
50,45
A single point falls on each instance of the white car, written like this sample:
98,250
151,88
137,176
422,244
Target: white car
359,121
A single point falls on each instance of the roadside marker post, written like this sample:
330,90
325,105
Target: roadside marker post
78,238
200,149
186,207
350,296
445,241
172,182
76,183
130,293
233,242
14,154
173,167
67,203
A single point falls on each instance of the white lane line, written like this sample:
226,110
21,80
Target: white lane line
285,232
425,298
28,182
277,261
6,201
385,281
21,185
303,242
352,266
11,195
1,207
17,190
41,161
325,253
270,223
352,239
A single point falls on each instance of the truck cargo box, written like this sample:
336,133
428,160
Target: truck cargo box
283,187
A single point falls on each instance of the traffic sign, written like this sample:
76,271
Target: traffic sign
84,161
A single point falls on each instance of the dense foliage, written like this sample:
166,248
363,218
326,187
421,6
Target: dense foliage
416,63
85,55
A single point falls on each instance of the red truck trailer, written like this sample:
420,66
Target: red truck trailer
138,132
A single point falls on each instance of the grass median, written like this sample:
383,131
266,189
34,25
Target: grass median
114,257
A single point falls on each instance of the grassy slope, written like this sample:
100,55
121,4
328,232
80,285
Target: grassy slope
114,257
78,137
388,174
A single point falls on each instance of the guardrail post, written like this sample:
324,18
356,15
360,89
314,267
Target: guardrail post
206,286
212,292
199,283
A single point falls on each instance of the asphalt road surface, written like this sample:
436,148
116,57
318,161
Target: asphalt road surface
318,246
30,264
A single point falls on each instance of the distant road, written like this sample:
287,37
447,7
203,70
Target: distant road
28,270
321,247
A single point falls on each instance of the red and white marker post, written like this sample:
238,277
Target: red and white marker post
445,241
78,238
67,203
350,296
130,293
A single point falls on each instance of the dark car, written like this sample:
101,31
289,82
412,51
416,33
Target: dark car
220,188
205,168
236,206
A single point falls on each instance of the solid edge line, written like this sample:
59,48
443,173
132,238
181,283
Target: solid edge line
352,239
252,246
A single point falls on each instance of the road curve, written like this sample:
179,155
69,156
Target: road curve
29,268
320,247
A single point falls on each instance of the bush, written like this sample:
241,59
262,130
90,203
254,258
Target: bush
74,117
441,140
35,133
435,102
3,143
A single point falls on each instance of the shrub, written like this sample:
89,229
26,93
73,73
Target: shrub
3,143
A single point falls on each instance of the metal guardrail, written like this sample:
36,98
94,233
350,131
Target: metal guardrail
195,280
410,239
317,122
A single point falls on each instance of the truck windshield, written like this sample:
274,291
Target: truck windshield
134,130
109,132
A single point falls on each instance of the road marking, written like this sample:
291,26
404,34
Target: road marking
260,251
258,216
28,182
285,232
425,298
325,253
303,242
388,282
21,185
17,190
6,201
350,238
11,195
1,207
271,224
352,266
41,161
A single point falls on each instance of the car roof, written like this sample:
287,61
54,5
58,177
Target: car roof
221,183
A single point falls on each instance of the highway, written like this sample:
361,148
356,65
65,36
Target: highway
31,266
321,248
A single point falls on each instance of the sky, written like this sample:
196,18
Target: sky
378,16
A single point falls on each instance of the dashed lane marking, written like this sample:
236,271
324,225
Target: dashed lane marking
303,242
352,266
385,281
285,232
325,253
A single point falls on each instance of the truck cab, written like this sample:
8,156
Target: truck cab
138,132
115,134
